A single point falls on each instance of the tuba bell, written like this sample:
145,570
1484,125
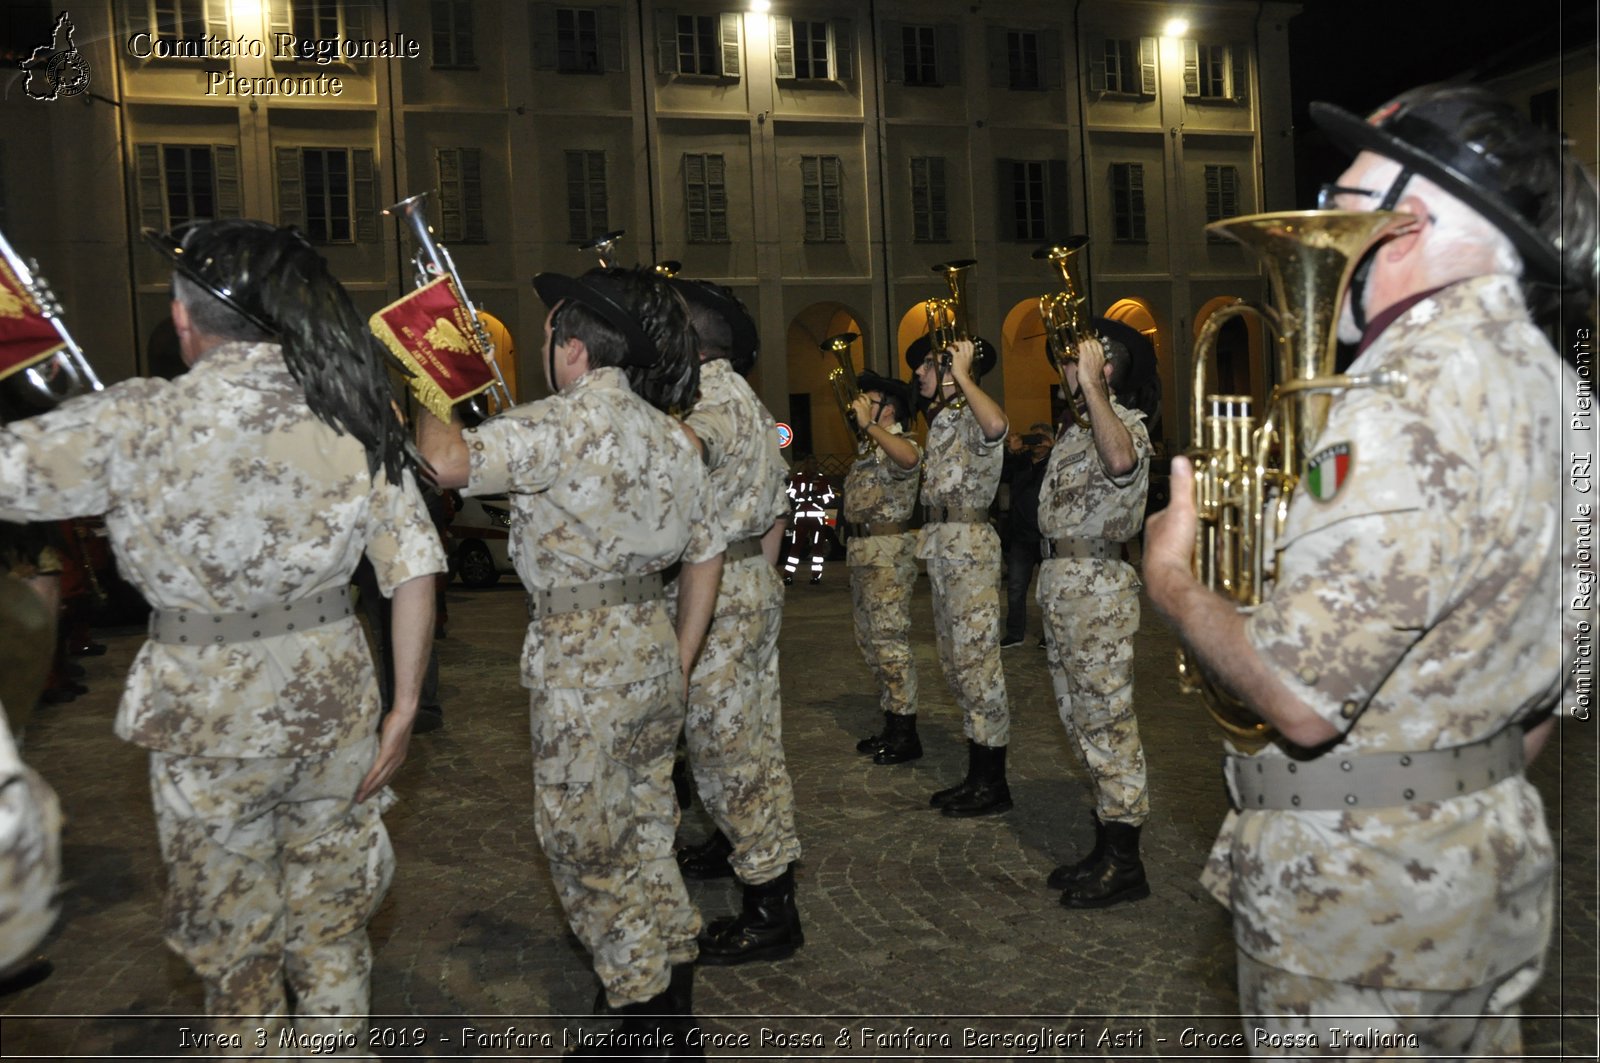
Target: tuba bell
41,362
433,261
1066,316
846,389
947,319
1245,474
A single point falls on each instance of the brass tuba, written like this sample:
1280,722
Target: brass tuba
947,318
432,262
1245,474
62,371
846,389
1066,316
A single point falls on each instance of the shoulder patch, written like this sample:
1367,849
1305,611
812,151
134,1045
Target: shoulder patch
1327,470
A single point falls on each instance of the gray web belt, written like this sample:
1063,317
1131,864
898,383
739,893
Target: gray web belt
867,528
955,515
624,590
1104,549
1372,780
194,627
742,550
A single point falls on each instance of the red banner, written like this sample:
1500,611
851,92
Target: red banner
431,331
26,335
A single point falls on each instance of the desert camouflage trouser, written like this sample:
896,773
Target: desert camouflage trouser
1089,649
1483,1022
273,871
606,816
966,625
880,596
735,728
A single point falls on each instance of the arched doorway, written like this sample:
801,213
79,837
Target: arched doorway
1030,384
1151,387
1230,369
819,427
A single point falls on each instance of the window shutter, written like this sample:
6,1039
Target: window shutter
147,178
217,19
466,43
938,202
731,62
1147,66
1191,68
279,18
1057,201
291,198
1229,186
832,205
716,200
844,55
472,196
610,38
667,41
599,206
811,200
136,19
694,196
1050,59
947,55
783,46
364,195
225,165
894,53
542,29
577,207
1136,198
443,45
447,164
1239,63
357,21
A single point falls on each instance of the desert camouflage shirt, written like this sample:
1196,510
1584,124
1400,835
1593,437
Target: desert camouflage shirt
878,489
222,492
1079,499
602,485
960,468
1419,606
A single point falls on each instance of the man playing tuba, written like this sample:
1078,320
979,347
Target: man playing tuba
1388,865
1091,502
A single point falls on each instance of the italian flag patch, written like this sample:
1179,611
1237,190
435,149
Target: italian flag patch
1326,471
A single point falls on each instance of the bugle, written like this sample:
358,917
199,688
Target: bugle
433,261
1245,474
1066,317
846,388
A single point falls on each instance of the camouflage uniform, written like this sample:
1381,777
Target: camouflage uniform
30,852
963,469
735,725
883,572
603,485
223,493
1419,607
1091,612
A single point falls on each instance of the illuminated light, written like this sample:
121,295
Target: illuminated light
1175,27
760,7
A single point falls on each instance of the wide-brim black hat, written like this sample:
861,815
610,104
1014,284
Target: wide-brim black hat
984,356
1424,134
604,296
900,390
745,339
231,261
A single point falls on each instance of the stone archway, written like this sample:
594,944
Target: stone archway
1030,383
1153,389
813,412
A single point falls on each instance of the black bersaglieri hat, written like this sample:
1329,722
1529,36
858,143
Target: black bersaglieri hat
599,293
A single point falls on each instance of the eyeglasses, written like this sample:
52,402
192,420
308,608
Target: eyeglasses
1328,194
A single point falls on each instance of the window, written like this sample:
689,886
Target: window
812,49
317,20
1032,199
704,45
1124,66
310,21
1127,202
330,194
577,41
929,202
180,20
705,199
586,195
1215,72
1028,202
821,178
452,35
1222,195
179,183
928,56
1022,59
461,195
919,52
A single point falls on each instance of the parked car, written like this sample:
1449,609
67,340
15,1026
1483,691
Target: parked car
480,537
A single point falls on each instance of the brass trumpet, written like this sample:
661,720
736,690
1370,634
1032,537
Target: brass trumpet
1244,474
1066,317
64,372
432,262
846,388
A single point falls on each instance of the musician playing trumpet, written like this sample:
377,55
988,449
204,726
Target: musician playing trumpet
1091,502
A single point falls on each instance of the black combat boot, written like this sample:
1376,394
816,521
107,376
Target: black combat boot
708,860
768,928
987,793
943,797
899,742
663,1027
1118,877
1067,874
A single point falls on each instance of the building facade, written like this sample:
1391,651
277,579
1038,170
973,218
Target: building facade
819,157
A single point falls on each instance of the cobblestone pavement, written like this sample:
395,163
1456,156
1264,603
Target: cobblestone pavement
924,935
